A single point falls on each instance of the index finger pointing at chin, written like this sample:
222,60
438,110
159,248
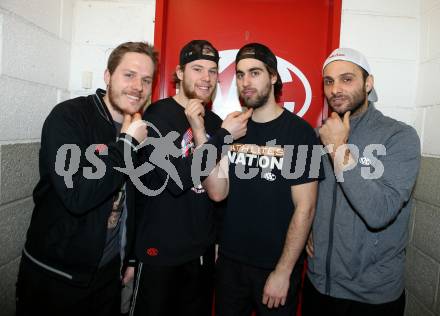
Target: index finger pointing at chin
137,116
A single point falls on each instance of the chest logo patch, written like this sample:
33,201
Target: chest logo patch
269,176
152,252
365,161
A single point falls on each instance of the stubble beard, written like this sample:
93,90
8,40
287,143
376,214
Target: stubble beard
358,99
260,100
112,100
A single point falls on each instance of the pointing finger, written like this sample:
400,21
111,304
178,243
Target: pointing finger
127,119
234,114
136,117
334,115
247,114
347,119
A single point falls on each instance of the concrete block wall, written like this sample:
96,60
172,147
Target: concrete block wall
423,256
34,59
18,175
35,40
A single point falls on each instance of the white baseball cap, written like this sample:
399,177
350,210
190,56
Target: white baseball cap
352,55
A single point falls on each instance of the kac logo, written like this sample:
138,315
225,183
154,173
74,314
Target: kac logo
269,176
365,161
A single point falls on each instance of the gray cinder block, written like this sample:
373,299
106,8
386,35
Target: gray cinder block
15,218
414,308
426,235
428,184
19,171
422,273
8,277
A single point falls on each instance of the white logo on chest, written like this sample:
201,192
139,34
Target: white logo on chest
269,176
365,161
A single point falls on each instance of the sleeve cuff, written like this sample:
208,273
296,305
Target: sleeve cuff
131,141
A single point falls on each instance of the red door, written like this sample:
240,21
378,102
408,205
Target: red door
301,33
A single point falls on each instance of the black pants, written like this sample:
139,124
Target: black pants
186,289
239,290
315,303
39,293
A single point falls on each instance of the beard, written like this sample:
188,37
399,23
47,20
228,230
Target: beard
261,98
355,101
191,93
112,99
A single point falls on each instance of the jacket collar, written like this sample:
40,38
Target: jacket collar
355,121
98,100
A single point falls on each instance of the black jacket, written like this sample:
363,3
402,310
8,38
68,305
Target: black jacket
67,233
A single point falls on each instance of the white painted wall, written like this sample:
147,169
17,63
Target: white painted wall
428,85
34,64
387,32
45,46
401,39
98,27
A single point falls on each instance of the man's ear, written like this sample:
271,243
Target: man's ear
274,78
179,72
107,77
369,83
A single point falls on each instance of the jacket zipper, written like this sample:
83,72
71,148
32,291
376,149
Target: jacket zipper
330,241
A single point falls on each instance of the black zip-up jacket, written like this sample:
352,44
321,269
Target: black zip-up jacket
67,233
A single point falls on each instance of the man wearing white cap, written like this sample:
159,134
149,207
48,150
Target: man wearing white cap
360,231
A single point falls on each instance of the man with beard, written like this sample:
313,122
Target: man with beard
270,204
175,227
357,245
83,219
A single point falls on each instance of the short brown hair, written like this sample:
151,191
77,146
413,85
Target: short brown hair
131,47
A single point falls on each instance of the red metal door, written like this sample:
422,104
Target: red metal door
300,32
